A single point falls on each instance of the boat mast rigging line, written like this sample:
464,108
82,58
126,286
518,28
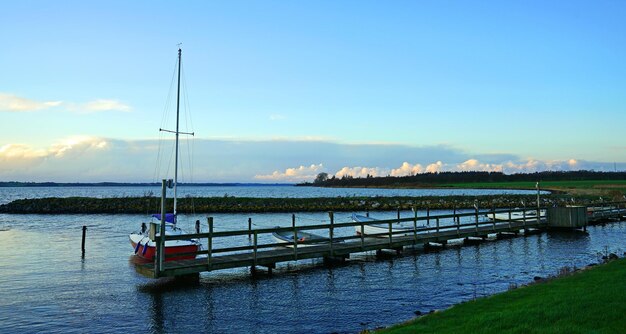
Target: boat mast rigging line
177,132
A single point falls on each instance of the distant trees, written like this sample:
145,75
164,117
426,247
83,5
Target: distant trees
321,178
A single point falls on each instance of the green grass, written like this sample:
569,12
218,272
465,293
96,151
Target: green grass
592,301
545,185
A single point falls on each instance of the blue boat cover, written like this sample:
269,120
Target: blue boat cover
169,217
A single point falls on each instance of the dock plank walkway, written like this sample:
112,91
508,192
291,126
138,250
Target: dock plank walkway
431,229
269,258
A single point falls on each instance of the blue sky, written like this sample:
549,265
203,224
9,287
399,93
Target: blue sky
279,91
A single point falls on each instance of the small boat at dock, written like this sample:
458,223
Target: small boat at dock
517,216
303,239
141,242
146,248
373,227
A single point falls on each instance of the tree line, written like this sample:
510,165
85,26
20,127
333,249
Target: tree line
442,178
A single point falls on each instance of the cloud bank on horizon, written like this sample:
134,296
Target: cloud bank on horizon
92,159
14,103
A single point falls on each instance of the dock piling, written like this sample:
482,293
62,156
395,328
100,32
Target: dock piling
82,247
331,231
249,228
295,236
210,241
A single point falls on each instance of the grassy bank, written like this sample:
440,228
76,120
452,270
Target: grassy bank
616,188
591,301
143,205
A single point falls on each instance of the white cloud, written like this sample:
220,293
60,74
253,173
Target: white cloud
298,174
407,169
90,159
104,105
475,165
20,159
361,172
435,167
13,103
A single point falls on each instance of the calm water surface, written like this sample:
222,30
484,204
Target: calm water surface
45,285
8,194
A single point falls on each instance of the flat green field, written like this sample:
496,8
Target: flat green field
591,301
591,187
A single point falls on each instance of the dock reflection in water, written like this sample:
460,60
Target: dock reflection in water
46,286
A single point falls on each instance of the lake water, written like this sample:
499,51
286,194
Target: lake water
46,287
8,194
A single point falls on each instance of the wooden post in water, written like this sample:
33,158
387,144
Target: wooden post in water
493,217
295,236
428,217
198,226
82,245
362,235
331,231
454,214
414,225
160,251
476,215
210,241
437,225
255,247
509,218
390,236
249,228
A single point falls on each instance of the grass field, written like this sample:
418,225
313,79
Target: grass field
591,301
607,188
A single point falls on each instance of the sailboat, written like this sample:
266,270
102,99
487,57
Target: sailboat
143,246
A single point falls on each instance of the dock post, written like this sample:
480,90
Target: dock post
362,235
414,225
331,231
160,251
476,216
427,216
249,228
509,218
437,226
198,226
493,217
390,236
367,212
255,247
210,242
82,245
454,214
295,236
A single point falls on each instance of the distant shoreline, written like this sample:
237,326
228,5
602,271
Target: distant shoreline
139,184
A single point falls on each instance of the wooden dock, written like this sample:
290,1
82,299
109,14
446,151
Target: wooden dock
440,229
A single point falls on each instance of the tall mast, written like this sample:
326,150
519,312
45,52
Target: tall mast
177,113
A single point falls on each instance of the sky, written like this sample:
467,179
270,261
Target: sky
279,91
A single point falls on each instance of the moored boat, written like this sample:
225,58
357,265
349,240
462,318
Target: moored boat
517,216
141,242
303,239
146,248
373,227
